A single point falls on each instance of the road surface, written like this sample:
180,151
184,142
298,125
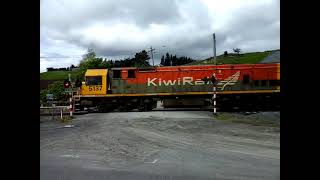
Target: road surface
157,145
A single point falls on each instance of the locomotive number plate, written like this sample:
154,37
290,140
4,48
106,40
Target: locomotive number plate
95,88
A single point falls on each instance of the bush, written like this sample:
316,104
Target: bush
56,89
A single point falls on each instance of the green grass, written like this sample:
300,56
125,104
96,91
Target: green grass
247,58
66,119
57,75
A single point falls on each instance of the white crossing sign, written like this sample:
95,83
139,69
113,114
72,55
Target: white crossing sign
70,90
49,96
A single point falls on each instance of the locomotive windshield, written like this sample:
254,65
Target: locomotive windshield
93,80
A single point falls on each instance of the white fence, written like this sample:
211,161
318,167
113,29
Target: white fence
55,110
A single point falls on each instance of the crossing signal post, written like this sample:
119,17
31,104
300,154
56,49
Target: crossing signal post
214,97
213,80
68,87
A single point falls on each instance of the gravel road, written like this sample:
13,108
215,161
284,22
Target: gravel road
159,145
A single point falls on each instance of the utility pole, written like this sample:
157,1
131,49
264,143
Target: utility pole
214,49
151,50
214,98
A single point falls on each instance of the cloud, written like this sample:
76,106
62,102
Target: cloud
121,28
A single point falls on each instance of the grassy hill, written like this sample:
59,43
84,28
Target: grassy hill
50,77
57,75
246,58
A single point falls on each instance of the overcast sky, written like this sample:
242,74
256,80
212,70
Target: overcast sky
118,29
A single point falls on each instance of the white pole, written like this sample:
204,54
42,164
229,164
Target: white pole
214,100
61,114
70,107
71,94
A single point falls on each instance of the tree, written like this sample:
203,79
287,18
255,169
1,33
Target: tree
174,60
43,96
141,59
237,50
57,89
111,64
89,55
167,60
162,61
225,53
72,67
49,69
89,61
106,64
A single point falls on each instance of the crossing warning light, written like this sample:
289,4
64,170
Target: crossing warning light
67,84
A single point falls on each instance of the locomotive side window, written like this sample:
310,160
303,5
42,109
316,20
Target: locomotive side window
116,73
131,74
93,80
246,79
264,83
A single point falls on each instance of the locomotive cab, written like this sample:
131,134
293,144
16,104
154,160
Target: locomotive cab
95,82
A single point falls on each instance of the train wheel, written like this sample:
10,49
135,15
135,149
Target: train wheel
123,109
149,107
145,107
141,109
102,108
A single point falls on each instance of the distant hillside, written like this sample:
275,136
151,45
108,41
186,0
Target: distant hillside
272,58
246,58
57,75
50,77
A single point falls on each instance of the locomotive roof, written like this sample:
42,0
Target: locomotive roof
96,72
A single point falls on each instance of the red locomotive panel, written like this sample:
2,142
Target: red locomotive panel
192,78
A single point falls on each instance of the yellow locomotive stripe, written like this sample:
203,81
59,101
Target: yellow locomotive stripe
278,71
183,93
